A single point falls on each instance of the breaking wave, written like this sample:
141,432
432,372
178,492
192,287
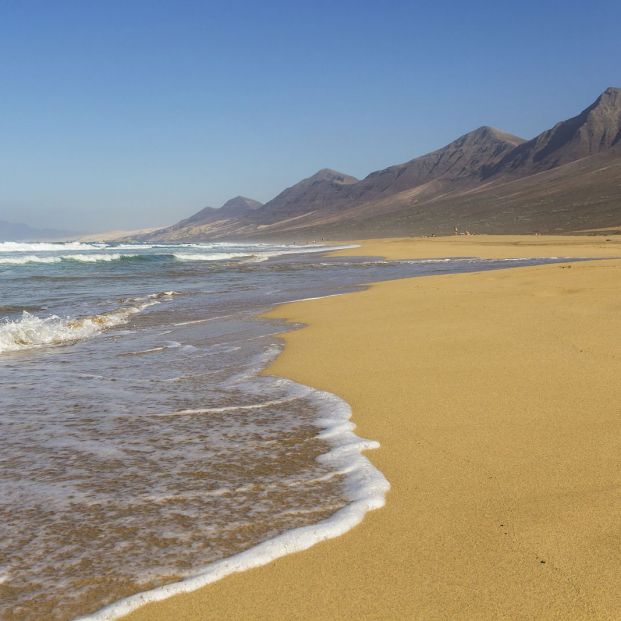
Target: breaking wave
215,256
9,246
80,258
29,258
31,331
32,254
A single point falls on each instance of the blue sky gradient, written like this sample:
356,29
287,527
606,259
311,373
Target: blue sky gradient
128,114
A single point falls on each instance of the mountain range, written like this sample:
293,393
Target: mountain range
566,179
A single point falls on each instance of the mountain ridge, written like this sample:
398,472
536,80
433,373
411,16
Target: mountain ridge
480,172
596,128
236,207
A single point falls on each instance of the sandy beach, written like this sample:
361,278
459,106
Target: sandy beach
495,398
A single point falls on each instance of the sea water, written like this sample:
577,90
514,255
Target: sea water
141,453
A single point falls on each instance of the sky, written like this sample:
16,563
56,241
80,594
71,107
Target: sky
127,114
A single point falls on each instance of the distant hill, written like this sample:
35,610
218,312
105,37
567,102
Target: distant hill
13,231
567,179
238,206
234,210
319,193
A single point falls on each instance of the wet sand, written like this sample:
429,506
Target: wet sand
495,397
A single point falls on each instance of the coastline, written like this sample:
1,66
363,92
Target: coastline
493,467
366,490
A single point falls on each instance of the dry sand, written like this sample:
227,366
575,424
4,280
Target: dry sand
496,399
490,246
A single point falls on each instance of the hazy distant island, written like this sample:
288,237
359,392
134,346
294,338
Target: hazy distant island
17,231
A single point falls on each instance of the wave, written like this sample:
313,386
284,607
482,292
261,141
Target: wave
9,246
31,331
124,246
12,246
80,258
94,258
255,253
293,249
29,258
254,256
216,256
365,488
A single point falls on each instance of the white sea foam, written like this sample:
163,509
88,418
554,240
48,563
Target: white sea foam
366,488
317,297
189,323
215,256
131,247
264,256
9,246
230,408
31,331
28,258
17,253
94,258
255,254
81,258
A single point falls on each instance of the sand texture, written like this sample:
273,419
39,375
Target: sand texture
496,399
489,246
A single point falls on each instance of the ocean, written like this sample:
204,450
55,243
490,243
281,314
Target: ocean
142,453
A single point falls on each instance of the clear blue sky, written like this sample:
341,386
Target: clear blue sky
119,114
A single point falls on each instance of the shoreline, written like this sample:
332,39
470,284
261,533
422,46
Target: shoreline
366,490
348,585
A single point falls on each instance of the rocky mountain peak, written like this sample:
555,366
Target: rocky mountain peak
486,133
334,176
611,96
596,129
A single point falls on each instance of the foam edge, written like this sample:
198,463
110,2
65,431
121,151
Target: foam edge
365,488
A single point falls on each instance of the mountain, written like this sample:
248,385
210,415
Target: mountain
579,197
462,159
238,206
596,129
14,231
567,178
207,219
328,195
323,191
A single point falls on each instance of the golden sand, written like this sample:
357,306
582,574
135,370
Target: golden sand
496,398
490,246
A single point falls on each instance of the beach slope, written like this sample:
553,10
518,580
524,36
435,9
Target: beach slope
495,398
